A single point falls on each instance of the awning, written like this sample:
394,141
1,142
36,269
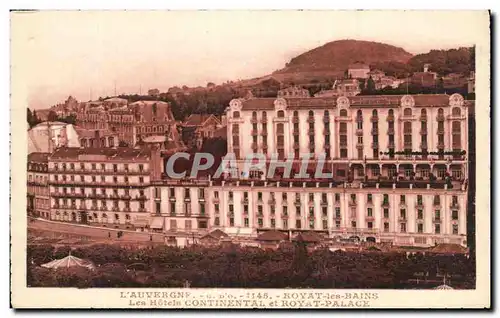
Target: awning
157,223
140,222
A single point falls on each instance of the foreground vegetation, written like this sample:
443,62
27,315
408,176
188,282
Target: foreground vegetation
232,266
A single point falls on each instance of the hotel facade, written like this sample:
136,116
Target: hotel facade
398,175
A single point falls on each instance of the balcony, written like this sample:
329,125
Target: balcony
284,215
172,198
436,204
385,204
255,146
436,220
324,203
359,132
391,145
359,146
352,203
423,118
264,120
297,202
408,145
390,117
326,132
423,145
254,132
271,201
343,144
254,120
201,199
440,117
423,131
264,132
374,119
244,201
310,119
128,197
327,146
114,196
402,218
419,205
390,131
141,198
375,145
296,133
374,131
454,206
440,145
295,120
310,131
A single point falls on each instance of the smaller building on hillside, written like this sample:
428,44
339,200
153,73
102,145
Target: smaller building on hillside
198,127
358,70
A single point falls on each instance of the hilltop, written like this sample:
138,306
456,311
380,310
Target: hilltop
333,58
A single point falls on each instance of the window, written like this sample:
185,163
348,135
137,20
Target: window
311,224
173,224
273,223
407,112
343,112
353,224
420,228
297,210
437,215
455,229
216,208
403,227
325,224
172,208
231,221
217,221
337,213
369,197
172,192
402,213
370,212
298,224
386,213
437,228
386,227
454,215
187,225
324,211
285,224
403,198
420,214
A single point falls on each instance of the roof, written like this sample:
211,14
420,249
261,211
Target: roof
272,236
221,132
116,100
376,72
110,153
158,138
199,119
215,234
149,102
447,248
443,287
69,261
41,157
309,237
359,100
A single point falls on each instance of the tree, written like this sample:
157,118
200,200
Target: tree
370,85
52,116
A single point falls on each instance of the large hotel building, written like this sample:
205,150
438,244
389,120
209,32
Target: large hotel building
399,170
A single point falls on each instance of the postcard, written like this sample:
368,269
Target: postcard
250,159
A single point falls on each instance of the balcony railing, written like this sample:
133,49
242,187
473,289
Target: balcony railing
359,132
374,118
374,131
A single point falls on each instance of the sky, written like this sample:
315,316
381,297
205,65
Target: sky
87,54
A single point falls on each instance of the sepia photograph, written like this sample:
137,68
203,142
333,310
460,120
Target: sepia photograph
250,159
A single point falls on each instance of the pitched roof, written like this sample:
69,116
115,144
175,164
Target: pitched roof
90,133
308,237
111,153
69,261
447,248
258,103
41,157
215,234
272,235
199,119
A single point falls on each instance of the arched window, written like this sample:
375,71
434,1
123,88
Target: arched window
407,112
343,112
359,113
374,112
295,114
440,111
391,112
281,114
254,114
456,111
455,127
111,141
311,113
103,142
236,114
264,114
327,113
423,112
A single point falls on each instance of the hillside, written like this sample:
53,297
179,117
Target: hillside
333,58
